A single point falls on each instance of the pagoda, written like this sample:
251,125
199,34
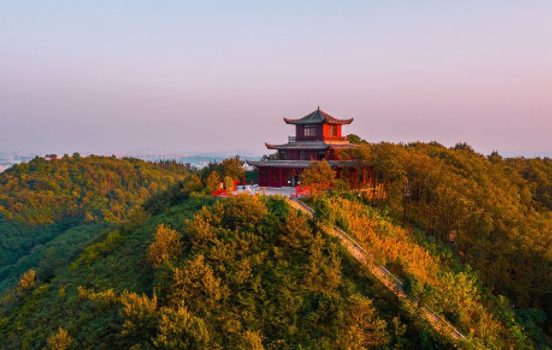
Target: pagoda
318,136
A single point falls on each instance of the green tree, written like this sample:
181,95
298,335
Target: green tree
270,156
213,181
233,168
365,330
319,176
324,213
140,315
179,329
192,184
356,140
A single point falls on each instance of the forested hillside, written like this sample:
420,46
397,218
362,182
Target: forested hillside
493,212
51,209
199,273
467,234
84,189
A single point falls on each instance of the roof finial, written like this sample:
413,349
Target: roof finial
318,107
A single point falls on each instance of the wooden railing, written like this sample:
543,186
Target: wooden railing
336,138
294,138
387,278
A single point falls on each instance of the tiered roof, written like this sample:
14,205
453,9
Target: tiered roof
318,117
275,163
310,145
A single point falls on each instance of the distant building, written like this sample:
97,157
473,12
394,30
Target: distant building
318,136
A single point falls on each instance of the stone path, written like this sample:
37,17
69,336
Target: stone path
386,277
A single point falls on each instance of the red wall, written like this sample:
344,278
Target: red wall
300,130
353,179
276,182
322,133
294,155
327,132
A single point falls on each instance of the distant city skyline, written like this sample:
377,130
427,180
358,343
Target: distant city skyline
177,76
8,159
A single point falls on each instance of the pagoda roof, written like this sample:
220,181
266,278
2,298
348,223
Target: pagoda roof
310,145
278,163
318,117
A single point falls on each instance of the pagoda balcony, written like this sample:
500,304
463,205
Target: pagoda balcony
336,138
318,138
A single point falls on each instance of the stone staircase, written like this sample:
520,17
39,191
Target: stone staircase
387,278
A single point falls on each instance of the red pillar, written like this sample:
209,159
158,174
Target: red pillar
269,176
280,177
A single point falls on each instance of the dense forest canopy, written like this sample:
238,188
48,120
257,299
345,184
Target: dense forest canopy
494,211
164,265
238,273
85,189
51,209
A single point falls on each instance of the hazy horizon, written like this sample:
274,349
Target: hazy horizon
196,77
243,152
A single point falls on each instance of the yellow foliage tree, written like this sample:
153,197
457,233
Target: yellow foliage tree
366,330
319,175
213,181
198,284
296,232
165,247
59,341
27,281
179,329
140,314
251,341
229,183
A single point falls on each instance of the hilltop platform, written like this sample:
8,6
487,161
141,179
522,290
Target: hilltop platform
269,191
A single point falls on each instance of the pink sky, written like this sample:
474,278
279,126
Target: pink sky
95,76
